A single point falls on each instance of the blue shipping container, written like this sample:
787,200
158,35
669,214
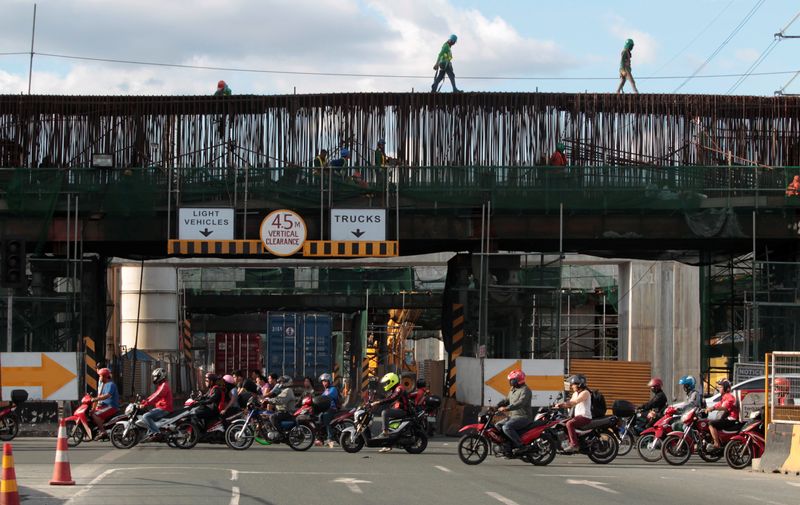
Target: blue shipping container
299,344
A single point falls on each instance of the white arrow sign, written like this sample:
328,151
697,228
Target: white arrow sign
597,485
352,484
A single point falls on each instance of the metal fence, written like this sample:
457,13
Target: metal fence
783,396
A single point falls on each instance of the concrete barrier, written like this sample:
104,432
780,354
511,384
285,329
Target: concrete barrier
782,454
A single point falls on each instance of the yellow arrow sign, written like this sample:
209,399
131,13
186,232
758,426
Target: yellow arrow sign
535,382
50,376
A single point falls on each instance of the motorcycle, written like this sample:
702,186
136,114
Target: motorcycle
651,439
9,419
77,422
214,432
629,430
427,412
176,428
256,426
678,446
405,432
310,414
748,443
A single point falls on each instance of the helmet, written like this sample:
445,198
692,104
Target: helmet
421,383
389,381
221,84
104,372
688,383
560,147
381,142
453,39
781,385
159,375
629,44
228,378
325,377
579,380
212,377
724,384
285,379
345,152
655,383
516,378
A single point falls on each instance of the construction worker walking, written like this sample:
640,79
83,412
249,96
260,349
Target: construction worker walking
444,65
625,67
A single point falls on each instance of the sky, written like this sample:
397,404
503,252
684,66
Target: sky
391,45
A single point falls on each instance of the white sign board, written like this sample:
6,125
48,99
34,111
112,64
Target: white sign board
744,371
44,375
205,224
283,232
545,378
362,225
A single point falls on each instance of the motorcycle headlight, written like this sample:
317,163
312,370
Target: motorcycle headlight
129,409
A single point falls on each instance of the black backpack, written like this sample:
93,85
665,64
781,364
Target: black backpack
598,404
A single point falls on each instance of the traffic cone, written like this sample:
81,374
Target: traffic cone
61,472
8,482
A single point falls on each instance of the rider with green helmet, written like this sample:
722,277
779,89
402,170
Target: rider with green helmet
398,397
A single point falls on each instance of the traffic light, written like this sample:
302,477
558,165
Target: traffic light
12,270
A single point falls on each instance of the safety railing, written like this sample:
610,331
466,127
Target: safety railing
783,387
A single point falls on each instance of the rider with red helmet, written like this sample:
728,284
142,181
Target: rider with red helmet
727,404
658,402
518,405
107,401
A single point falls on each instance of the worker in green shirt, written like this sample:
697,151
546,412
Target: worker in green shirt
625,67
444,64
222,89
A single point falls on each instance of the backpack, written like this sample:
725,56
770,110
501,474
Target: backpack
598,404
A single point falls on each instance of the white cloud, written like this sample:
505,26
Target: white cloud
645,45
747,55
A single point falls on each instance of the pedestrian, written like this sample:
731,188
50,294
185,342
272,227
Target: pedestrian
558,159
444,65
222,89
794,187
308,387
625,67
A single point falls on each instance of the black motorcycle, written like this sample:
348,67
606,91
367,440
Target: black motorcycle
406,433
257,426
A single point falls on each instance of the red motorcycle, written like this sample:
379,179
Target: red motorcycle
77,422
696,437
748,443
9,419
650,440
309,414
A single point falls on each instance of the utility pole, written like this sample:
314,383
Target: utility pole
780,36
33,37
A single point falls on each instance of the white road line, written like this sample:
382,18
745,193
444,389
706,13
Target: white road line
234,496
501,498
444,469
234,474
352,484
592,484
795,484
762,500
90,485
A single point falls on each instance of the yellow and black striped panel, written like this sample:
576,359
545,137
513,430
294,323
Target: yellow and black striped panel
350,249
369,366
458,347
215,247
187,340
90,365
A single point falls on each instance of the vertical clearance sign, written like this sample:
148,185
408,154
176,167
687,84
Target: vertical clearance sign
283,232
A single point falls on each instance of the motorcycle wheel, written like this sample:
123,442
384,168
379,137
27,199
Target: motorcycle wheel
626,444
186,436
120,441
351,442
300,438
472,449
545,452
738,454
75,433
420,443
675,450
649,448
238,442
9,427
339,427
708,457
604,449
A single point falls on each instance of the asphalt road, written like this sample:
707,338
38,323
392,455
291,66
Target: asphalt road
216,475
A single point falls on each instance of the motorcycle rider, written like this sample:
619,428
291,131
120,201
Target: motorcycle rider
161,400
214,401
581,400
284,402
518,404
399,409
419,394
333,393
727,404
107,402
232,395
693,399
656,405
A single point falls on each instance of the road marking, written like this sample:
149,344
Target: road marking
762,500
596,485
89,486
234,496
234,474
445,470
501,498
795,484
352,484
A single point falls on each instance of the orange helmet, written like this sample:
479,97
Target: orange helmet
781,385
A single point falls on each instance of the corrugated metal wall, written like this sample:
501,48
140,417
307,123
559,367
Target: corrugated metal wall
617,380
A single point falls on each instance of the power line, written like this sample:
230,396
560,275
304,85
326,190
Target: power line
724,43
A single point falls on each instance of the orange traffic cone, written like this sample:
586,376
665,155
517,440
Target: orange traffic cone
61,473
8,482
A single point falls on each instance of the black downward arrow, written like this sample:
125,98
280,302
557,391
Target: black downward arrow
206,232
358,232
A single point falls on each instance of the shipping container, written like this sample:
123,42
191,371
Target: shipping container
237,351
299,344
